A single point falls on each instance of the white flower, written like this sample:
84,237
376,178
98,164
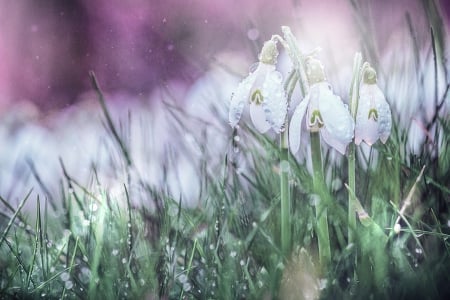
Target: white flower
325,112
264,91
373,118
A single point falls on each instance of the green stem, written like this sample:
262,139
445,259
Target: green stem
354,95
285,197
284,175
351,197
323,235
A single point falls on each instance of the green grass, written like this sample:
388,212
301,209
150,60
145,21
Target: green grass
100,245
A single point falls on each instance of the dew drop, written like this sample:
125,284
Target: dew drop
68,285
187,287
284,166
253,34
64,276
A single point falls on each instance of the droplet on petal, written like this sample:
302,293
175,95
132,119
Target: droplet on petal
367,129
275,102
258,117
338,123
239,99
295,127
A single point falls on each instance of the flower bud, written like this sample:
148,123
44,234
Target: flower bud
269,53
314,70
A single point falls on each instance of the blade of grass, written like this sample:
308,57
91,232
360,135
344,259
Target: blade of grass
11,220
109,121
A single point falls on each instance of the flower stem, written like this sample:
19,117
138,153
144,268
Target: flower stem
323,235
284,174
354,95
351,197
285,197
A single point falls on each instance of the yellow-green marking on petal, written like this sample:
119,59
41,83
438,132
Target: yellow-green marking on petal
257,97
316,119
373,113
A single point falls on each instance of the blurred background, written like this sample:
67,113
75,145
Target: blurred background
193,52
48,47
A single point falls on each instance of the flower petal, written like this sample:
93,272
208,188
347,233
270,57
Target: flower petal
338,123
366,128
295,127
275,102
259,118
384,115
240,97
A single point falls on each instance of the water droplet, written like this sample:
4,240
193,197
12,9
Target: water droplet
68,285
236,138
64,276
233,253
242,262
115,252
124,260
187,287
284,166
314,199
182,278
419,250
253,34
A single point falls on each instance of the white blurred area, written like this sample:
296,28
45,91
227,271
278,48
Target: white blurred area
178,132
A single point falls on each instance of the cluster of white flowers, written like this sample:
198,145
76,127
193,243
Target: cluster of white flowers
325,112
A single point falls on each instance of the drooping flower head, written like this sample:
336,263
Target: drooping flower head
373,118
263,90
325,112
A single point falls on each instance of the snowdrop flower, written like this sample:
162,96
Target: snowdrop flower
263,90
325,112
373,118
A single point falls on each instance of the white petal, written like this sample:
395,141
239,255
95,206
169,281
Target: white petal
384,115
369,130
338,123
240,97
259,118
275,102
333,142
366,128
295,127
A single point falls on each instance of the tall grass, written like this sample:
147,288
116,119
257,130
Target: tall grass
100,244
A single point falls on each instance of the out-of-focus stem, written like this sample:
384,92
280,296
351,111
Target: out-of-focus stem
323,235
354,94
284,175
